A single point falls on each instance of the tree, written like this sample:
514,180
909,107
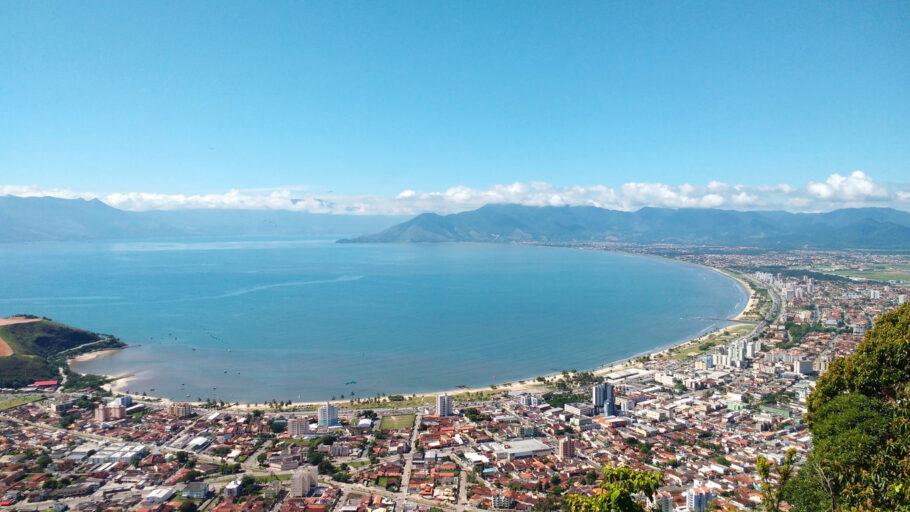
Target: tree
859,416
621,485
878,368
43,460
773,494
191,476
247,485
188,506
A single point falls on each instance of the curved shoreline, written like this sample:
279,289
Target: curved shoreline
120,382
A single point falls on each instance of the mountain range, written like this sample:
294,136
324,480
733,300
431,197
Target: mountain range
32,219
868,228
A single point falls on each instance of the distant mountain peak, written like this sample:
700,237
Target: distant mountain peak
879,228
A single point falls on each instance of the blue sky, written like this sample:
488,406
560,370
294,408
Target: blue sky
335,101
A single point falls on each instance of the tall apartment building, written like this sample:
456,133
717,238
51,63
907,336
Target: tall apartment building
566,448
698,499
304,480
602,396
298,427
597,395
444,404
609,400
181,410
327,415
102,414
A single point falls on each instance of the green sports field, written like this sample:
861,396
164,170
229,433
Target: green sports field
397,422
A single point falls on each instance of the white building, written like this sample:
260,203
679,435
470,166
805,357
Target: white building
327,415
298,427
304,480
697,499
597,395
529,400
444,404
520,449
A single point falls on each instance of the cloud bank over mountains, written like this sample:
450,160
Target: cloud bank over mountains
837,191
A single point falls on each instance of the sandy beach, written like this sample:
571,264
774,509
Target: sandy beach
119,385
91,356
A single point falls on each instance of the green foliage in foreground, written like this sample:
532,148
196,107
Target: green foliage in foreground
773,492
621,487
859,416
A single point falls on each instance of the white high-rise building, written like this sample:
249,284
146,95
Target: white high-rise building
304,479
875,294
697,499
901,299
529,400
298,427
444,404
597,395
327,415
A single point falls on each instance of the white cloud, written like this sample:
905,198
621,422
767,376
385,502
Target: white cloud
856,187
836,191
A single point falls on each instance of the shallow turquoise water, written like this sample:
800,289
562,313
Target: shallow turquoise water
251,320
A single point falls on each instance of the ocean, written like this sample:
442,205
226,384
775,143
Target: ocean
252,320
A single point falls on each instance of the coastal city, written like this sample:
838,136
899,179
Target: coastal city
700,413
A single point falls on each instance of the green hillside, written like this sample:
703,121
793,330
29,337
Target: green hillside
40,348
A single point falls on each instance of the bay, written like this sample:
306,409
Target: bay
250,320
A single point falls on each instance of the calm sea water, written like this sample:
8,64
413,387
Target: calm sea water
252,320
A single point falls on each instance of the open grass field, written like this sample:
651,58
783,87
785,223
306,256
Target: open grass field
879,273
10,401
420,401
397,422
705,344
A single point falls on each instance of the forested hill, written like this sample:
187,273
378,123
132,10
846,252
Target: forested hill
870,228
39,348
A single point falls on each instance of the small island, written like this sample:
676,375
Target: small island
36,349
